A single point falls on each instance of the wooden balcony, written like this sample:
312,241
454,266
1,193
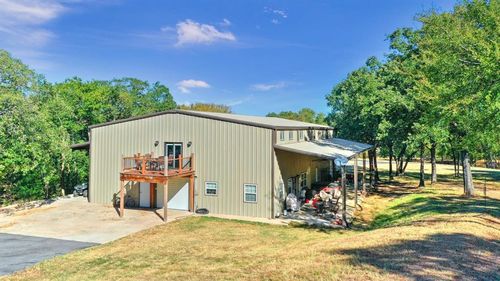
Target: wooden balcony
147,168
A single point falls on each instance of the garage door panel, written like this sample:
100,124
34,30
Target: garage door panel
178,195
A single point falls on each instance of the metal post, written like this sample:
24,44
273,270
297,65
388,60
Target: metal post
355,181
344,197
364,173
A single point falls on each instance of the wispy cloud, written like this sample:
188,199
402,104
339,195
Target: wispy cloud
225,22
185,86
21,21
278,15
269,86
190,32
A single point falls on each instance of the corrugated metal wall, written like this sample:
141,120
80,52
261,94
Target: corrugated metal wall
228,153
289,164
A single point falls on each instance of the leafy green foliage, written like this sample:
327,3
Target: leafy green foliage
39,121
437,88
208,107
304,115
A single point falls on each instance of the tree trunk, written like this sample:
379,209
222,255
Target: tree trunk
460,163
433,164
399,161
370,158
390,162
375,166
467,173
422,171
454,164
408,158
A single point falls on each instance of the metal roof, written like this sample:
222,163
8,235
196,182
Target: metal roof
327,149
257,121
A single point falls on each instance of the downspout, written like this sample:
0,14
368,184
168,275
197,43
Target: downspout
90,168
273,142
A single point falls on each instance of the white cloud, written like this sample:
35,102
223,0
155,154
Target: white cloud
185,86
275,21
191,32
269,86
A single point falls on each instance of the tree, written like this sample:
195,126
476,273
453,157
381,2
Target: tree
15,77
461,62
209,107
304,115
39,121
359,107
31,148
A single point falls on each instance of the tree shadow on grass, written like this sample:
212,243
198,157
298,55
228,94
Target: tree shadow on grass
436,205
489,176
438,257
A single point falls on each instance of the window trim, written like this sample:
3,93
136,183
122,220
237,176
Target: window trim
216,188
244,193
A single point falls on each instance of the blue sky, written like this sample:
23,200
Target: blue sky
256,56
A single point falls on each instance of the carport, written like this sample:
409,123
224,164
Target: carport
339,152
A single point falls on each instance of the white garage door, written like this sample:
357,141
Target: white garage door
178,197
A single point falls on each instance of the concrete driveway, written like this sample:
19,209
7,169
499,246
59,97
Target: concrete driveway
28,237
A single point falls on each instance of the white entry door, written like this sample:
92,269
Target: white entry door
144,195
178,198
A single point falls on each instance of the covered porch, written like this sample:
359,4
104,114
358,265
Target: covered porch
154,171
333,163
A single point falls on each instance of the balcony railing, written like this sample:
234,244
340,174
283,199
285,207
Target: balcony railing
157,166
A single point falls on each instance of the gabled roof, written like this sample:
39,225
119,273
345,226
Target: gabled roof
326,149
256,121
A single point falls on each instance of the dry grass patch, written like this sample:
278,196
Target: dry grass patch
404,233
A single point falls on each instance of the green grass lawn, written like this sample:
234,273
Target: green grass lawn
402,233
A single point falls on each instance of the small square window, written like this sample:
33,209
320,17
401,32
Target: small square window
282,135
250,193
211,188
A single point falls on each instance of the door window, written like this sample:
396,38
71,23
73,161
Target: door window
172,153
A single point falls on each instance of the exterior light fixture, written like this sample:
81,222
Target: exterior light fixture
156,143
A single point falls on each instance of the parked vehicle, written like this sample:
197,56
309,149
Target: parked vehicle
81,190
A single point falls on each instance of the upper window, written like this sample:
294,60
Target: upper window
250,191
211,188
301,135
282,135
290,135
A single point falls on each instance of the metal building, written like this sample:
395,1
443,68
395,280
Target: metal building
226,163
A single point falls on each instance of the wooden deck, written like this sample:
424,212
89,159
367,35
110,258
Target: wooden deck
156,170
149,169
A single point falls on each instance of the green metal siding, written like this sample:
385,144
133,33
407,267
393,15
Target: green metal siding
230,154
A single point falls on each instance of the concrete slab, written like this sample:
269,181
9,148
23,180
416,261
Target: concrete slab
77,220
30,236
